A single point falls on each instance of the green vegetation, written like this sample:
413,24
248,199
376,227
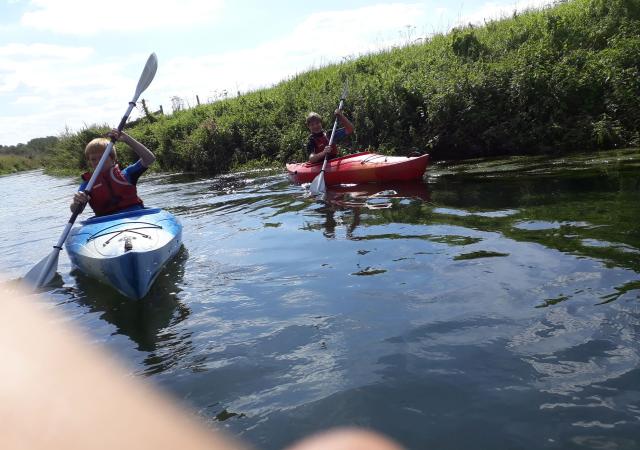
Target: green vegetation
561,79
68,156
478,254
15,158
262,164
369,271
15,163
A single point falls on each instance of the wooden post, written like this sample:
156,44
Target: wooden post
198,99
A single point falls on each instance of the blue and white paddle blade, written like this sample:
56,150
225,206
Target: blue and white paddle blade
42,273
317,185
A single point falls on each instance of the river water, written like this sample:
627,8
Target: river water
495,305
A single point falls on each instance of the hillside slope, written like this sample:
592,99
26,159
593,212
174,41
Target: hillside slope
565,78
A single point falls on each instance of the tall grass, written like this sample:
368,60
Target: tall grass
16,158
16,163
561,79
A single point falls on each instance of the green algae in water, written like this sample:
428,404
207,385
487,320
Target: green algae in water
226,415
553,301
628,287
479,254
369,271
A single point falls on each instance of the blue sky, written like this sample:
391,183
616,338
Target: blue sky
67,63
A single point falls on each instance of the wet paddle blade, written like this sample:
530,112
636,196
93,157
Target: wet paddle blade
317,185
42,273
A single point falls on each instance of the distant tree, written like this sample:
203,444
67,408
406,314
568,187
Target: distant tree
42,145
37,146
177,103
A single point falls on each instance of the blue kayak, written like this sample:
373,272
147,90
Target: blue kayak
126,250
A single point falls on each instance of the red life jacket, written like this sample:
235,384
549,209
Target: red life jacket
320,141
112,192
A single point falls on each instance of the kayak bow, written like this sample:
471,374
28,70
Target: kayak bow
126,250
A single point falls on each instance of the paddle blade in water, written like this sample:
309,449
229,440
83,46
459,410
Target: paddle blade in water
42,273
317,185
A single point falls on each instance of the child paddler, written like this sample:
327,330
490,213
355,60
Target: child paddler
318,143
115,189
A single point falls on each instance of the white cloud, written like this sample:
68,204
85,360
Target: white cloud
52,70
29,100
34,67
499,10
45,87
44,51
51,116
356,31
84,17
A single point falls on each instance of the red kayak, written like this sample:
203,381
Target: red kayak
362,167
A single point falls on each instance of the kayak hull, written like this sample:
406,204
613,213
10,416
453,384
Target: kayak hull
126,250
362,167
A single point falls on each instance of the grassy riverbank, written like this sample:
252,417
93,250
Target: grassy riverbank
16,163
561,79
32,155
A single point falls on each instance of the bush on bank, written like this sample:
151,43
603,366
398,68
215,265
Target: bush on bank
565,78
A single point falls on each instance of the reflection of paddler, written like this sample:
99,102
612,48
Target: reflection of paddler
376,195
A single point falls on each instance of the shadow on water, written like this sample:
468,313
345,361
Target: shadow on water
142,321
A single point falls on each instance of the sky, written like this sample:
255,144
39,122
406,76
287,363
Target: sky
66,64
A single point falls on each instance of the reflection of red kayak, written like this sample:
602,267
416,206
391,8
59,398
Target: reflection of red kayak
363,167
394,189
376,196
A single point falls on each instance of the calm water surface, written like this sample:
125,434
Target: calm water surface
496,305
